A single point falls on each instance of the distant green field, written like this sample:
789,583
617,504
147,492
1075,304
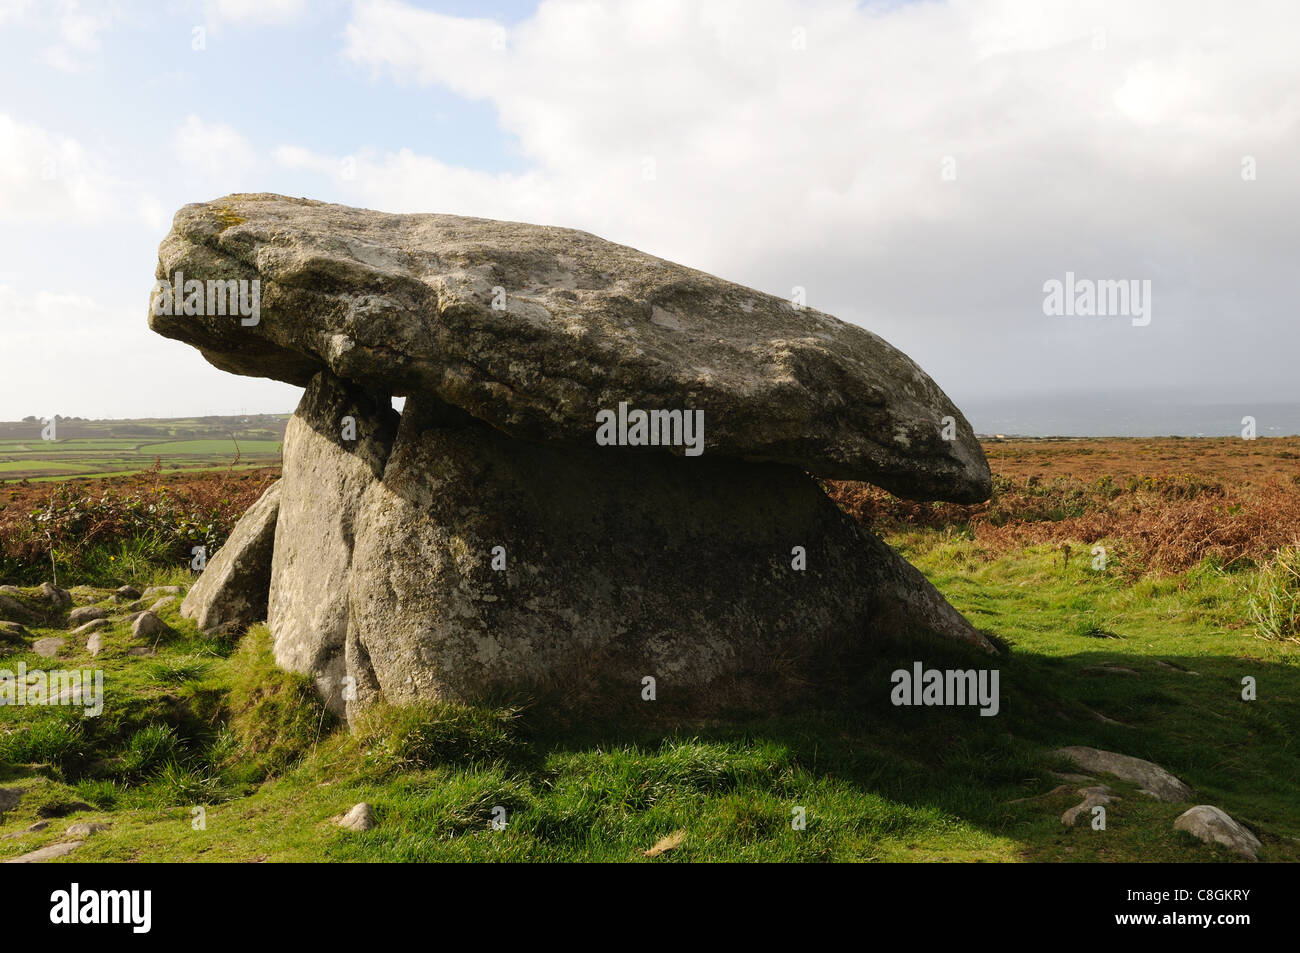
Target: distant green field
213,446
13,465
121,447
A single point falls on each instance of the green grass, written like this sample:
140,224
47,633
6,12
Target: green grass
7,466
219,447
211,725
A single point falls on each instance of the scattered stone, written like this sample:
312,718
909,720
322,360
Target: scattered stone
164,603
85,829
49,852
1214,826
9,798
95,644
49,647
86,614
155,591
141,651
1092,797
13,632
147,626
11,610
126,593
360,818
665,844
1151,778
60,599
33,829
94,625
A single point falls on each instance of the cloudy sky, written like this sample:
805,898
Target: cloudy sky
922,169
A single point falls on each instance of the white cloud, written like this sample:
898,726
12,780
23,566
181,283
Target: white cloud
47,178
214,154
79,29
256,12
1103,138
13,10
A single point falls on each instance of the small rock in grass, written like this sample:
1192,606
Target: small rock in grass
12,632
163,603
1214,826
1094,796
49,852
126,593
48,648
9,798
95,644
1153,779
59,598
141,651
12,610
86,614
33,829
85,829
153,591
147,625
360,818
93,625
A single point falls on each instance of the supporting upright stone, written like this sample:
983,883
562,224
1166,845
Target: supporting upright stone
232,592
335,447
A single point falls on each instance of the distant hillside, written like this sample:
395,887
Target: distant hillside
101,447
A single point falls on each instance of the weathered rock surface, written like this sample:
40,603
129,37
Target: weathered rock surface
94,625
30,829
13,633
12,610
403,304
1097,795
84,614
234,588
680,571
148,626
1214,826
49,852
324,481
49,647
85,829
1151,778
9,798
360,818
58,598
